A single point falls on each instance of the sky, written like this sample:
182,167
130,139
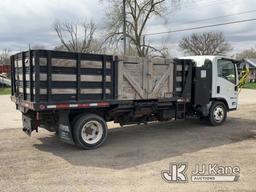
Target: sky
30,22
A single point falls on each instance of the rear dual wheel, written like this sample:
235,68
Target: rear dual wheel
89,131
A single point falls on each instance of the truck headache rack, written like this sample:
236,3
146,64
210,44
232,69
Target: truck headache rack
183,71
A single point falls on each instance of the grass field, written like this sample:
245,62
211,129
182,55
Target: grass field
250,86
5,91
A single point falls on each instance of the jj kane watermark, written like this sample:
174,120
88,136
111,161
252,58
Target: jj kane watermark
177,173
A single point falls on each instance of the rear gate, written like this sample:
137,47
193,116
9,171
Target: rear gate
23,76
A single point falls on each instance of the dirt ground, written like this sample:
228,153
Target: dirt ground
132,158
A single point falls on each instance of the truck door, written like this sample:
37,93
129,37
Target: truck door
226,82
203,83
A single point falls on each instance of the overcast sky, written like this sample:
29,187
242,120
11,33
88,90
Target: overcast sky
24,22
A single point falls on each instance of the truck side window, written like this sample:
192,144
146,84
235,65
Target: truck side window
226,70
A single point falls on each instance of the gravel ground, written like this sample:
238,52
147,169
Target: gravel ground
132,158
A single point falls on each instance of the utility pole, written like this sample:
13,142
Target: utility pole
124,27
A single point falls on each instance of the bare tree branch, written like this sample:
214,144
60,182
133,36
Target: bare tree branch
138,14
69,36
212,43
246,54
5,56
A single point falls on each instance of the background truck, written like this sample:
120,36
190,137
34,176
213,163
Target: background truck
75,94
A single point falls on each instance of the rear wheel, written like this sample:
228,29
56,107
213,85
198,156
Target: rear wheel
218,113
89,131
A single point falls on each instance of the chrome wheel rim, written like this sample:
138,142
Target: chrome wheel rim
92,132
218,113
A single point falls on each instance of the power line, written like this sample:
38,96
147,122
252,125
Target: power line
198,5
200,27
219,17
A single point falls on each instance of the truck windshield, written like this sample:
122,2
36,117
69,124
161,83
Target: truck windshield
226,70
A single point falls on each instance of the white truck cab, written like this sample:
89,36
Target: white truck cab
224,78
219,75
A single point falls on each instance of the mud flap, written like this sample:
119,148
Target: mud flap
64,131
29,124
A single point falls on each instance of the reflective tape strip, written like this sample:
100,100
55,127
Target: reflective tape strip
62,106
103,104
51,106
73,105
83,105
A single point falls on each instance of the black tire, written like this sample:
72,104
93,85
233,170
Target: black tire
79,131
218,113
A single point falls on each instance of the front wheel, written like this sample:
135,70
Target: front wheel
89,131
218,113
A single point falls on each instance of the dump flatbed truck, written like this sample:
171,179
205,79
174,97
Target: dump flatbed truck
75,94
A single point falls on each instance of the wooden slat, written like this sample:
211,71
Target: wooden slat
179,79
133,83
161,81
94,91
179,68
18,63
120,79
58,77
63,91
145,77
95,78
94,64
150,76
68,77
42,91
72,63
